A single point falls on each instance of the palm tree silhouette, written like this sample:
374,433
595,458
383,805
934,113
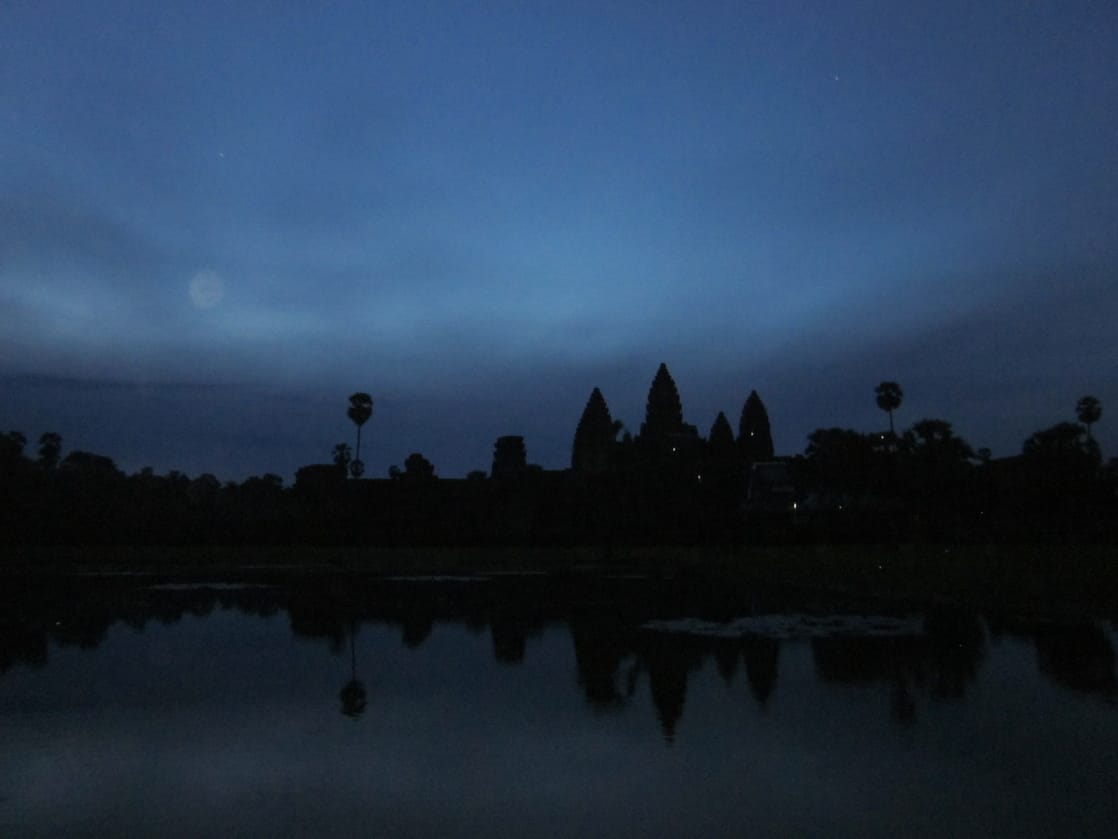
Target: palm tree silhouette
359,411
889,396
1089,411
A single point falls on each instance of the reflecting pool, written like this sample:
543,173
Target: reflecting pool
535,707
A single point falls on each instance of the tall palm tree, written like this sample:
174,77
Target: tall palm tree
1089,412
889,396
359,411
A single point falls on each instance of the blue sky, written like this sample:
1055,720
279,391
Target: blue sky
219,221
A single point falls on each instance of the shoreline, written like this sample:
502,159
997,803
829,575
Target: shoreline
1033,579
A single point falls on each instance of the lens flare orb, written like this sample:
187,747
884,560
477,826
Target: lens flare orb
206,289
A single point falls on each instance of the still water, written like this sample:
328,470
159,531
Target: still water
476,707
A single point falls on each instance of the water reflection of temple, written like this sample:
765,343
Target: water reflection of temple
1079,656
613,654
607,670
668,661
939,663
761,658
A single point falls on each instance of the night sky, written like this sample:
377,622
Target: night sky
218,222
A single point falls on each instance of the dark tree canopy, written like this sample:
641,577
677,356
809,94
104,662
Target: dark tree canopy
936,460
840,458
11,447
1062,463
16,440
318,479
754,435
360,408
936,438
89,462
418,468
1065,444
594,437
342,456
663,416
50,448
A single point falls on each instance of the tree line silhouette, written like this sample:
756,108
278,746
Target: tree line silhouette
665,484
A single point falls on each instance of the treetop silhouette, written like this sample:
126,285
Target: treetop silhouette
938,437
342,457
1088,411
11,447
1063,443
888,396
418,468
359,411
50,448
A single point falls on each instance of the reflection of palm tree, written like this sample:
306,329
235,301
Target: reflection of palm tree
353,699
353,695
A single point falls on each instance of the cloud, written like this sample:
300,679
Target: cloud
47,230
44,380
